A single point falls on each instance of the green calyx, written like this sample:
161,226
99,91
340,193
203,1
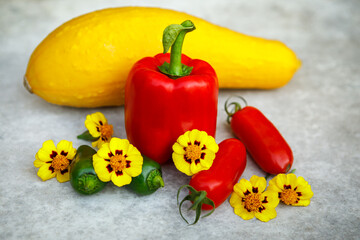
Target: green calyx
87,136
88,184
173,37
236,107
154,180
198,198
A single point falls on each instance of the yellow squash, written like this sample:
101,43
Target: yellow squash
85,61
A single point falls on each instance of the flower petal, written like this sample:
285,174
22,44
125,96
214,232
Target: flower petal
66,147
45,173
38,163
235,200
270,199
179,149
121,180
211,144
181,164
45,152
243,187
259,183
184,139
195,135
195,168
104,152
243,213
63,177
266,214
117,144
101,168
136,162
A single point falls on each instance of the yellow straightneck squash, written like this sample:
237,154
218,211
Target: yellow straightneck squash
85,61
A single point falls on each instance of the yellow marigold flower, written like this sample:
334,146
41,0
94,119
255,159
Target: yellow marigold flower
99,128
194,151
117,161
55,161
291,190
250,199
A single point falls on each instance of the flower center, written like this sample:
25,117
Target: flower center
252,202
193,152
60,162
118,162
106,131
288,196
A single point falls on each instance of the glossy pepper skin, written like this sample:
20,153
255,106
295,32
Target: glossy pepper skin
263,141
218,182
208,189
158,109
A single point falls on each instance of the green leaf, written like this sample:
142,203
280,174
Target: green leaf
170,34
87,136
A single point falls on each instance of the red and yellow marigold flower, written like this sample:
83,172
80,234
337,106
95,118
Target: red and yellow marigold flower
55,161
291,190
99,128
117,161
194,151
250,199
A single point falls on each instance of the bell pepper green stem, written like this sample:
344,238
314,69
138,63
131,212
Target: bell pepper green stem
176,49
173,37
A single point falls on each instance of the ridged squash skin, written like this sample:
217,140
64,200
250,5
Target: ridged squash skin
85,62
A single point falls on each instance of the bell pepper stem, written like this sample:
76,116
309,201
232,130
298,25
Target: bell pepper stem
173,38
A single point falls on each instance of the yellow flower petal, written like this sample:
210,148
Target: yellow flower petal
207,162
195,135
266,214
235,200
259,183
121,180
181,164
195,168
47,148
104,151
63,177
38,163
45,173
243,213
132,151
117,144
270,199
100,167
242,187
92,123
184,139
66,147
211,144
179,149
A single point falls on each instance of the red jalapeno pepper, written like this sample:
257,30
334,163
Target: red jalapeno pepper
262,140
210,188
167,95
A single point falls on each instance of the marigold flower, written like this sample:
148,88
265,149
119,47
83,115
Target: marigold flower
99,128
55,161
291,190
117,161
194,151
250,199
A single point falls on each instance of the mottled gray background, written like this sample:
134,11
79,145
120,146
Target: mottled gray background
317,112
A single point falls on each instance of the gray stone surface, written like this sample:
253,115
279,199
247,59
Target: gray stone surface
318,113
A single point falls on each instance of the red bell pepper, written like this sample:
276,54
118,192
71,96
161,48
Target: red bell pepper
210,188
263,141
167,95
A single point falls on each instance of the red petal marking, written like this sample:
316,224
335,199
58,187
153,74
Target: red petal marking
119,152
53,154
255,190
109,168
119,173
64,153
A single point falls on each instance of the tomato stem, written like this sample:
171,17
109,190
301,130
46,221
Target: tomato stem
198,198
237,107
